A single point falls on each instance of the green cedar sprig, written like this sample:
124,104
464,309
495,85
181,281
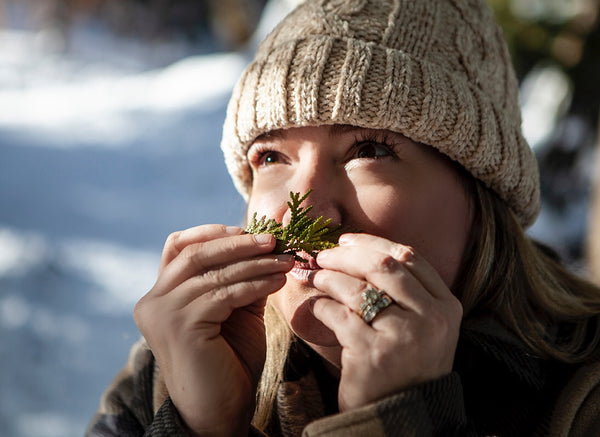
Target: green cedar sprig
302,234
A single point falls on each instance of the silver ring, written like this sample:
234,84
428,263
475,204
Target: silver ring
374,301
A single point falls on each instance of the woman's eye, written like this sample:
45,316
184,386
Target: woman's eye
267,158
373,150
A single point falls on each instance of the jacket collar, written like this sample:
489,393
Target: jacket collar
489,337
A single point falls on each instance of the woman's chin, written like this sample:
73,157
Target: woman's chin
293,301
309,328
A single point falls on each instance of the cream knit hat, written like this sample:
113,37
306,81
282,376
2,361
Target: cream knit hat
437,71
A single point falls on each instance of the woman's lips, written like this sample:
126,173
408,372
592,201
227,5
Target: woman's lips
302,271
309,264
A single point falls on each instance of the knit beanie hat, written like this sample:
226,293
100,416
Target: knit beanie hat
436,71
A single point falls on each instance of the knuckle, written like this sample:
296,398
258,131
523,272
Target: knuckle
226,246
137,313
404,253
346,313
223,294
436,317
457,308
386,263
453,307
231,245
427,305
141,312
172,239
442,327
221,229
445,326
381,354
189,252
214,276
214,228
225,298
193,255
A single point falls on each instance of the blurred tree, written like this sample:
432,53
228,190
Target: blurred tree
548,29
226,24
563,35
593,242
564,32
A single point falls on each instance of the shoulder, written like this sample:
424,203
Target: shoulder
139,384
577,410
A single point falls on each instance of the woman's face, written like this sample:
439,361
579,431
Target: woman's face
375,181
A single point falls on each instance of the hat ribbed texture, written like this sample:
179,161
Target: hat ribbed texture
436,71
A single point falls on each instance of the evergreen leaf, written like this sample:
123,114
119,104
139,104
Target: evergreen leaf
302,234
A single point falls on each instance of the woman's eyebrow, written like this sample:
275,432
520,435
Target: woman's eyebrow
337,130
274,134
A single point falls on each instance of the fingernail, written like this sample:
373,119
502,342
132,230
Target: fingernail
346,239
284,258
263,238
322,255
233,230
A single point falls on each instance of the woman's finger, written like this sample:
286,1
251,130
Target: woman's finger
177,241
217,305
198,258
400,285
229,275
394,255
341,287
350,330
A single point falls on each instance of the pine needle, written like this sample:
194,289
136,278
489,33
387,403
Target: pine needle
302,234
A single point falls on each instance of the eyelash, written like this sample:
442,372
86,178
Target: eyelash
377,139
261,151
259,154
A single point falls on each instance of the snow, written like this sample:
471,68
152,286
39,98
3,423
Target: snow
114,109
97,166
545,96
104,151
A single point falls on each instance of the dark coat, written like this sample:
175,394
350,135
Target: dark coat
497,388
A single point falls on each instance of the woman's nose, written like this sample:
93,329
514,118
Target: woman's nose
324,196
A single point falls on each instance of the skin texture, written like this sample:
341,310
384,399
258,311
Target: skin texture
203,317
411,198
203,320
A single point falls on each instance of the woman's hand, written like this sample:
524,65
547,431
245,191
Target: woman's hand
203,320
410,342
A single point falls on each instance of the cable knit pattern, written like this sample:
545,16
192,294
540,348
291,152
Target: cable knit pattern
437,71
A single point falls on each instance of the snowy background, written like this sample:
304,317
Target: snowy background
97,166
104,150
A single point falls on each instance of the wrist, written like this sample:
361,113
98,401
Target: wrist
223,426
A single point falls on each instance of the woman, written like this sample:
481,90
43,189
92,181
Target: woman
439,318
